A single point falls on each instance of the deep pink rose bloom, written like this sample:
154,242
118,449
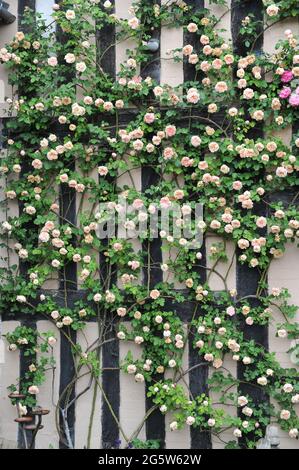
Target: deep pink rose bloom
287,76
294,100
285,92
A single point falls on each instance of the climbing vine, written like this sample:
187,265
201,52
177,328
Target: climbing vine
213,141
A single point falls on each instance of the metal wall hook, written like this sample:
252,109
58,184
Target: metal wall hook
5,16
152,44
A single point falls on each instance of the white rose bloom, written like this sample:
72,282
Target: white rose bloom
262,381
139,340
78,110
81,67
55,314
133,23
139,378
288,388
242,401
33,390
52,341
247,411
295,398
190,420
237,433
272,10
282,333
246,360
70,58
44,237
70,15
285,414
23,254
121,311
173,426
6,226
30,210
67,321
131,369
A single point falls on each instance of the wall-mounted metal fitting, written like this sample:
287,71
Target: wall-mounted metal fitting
5,16
152,45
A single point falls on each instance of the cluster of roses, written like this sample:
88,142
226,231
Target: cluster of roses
28,340
152,329
290,90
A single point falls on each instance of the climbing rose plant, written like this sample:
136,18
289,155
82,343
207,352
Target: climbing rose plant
214,141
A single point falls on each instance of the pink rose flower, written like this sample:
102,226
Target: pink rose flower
149,118
285,92
170,131
137,204
287,76
294,100
186,162
102,170
168,153
261,222
52,61
154,294
230,311
165,202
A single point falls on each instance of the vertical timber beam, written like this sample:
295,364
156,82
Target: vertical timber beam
190,73
155,424
198,376
67,284
106,51
25,361
248,278
22,6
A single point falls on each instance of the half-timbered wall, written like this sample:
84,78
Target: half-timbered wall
129,400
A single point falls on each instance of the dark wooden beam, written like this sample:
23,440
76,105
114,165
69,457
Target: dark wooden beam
155,424
26,321
105,42
198,376
240,9
190,74
106,56
248,278
67,283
